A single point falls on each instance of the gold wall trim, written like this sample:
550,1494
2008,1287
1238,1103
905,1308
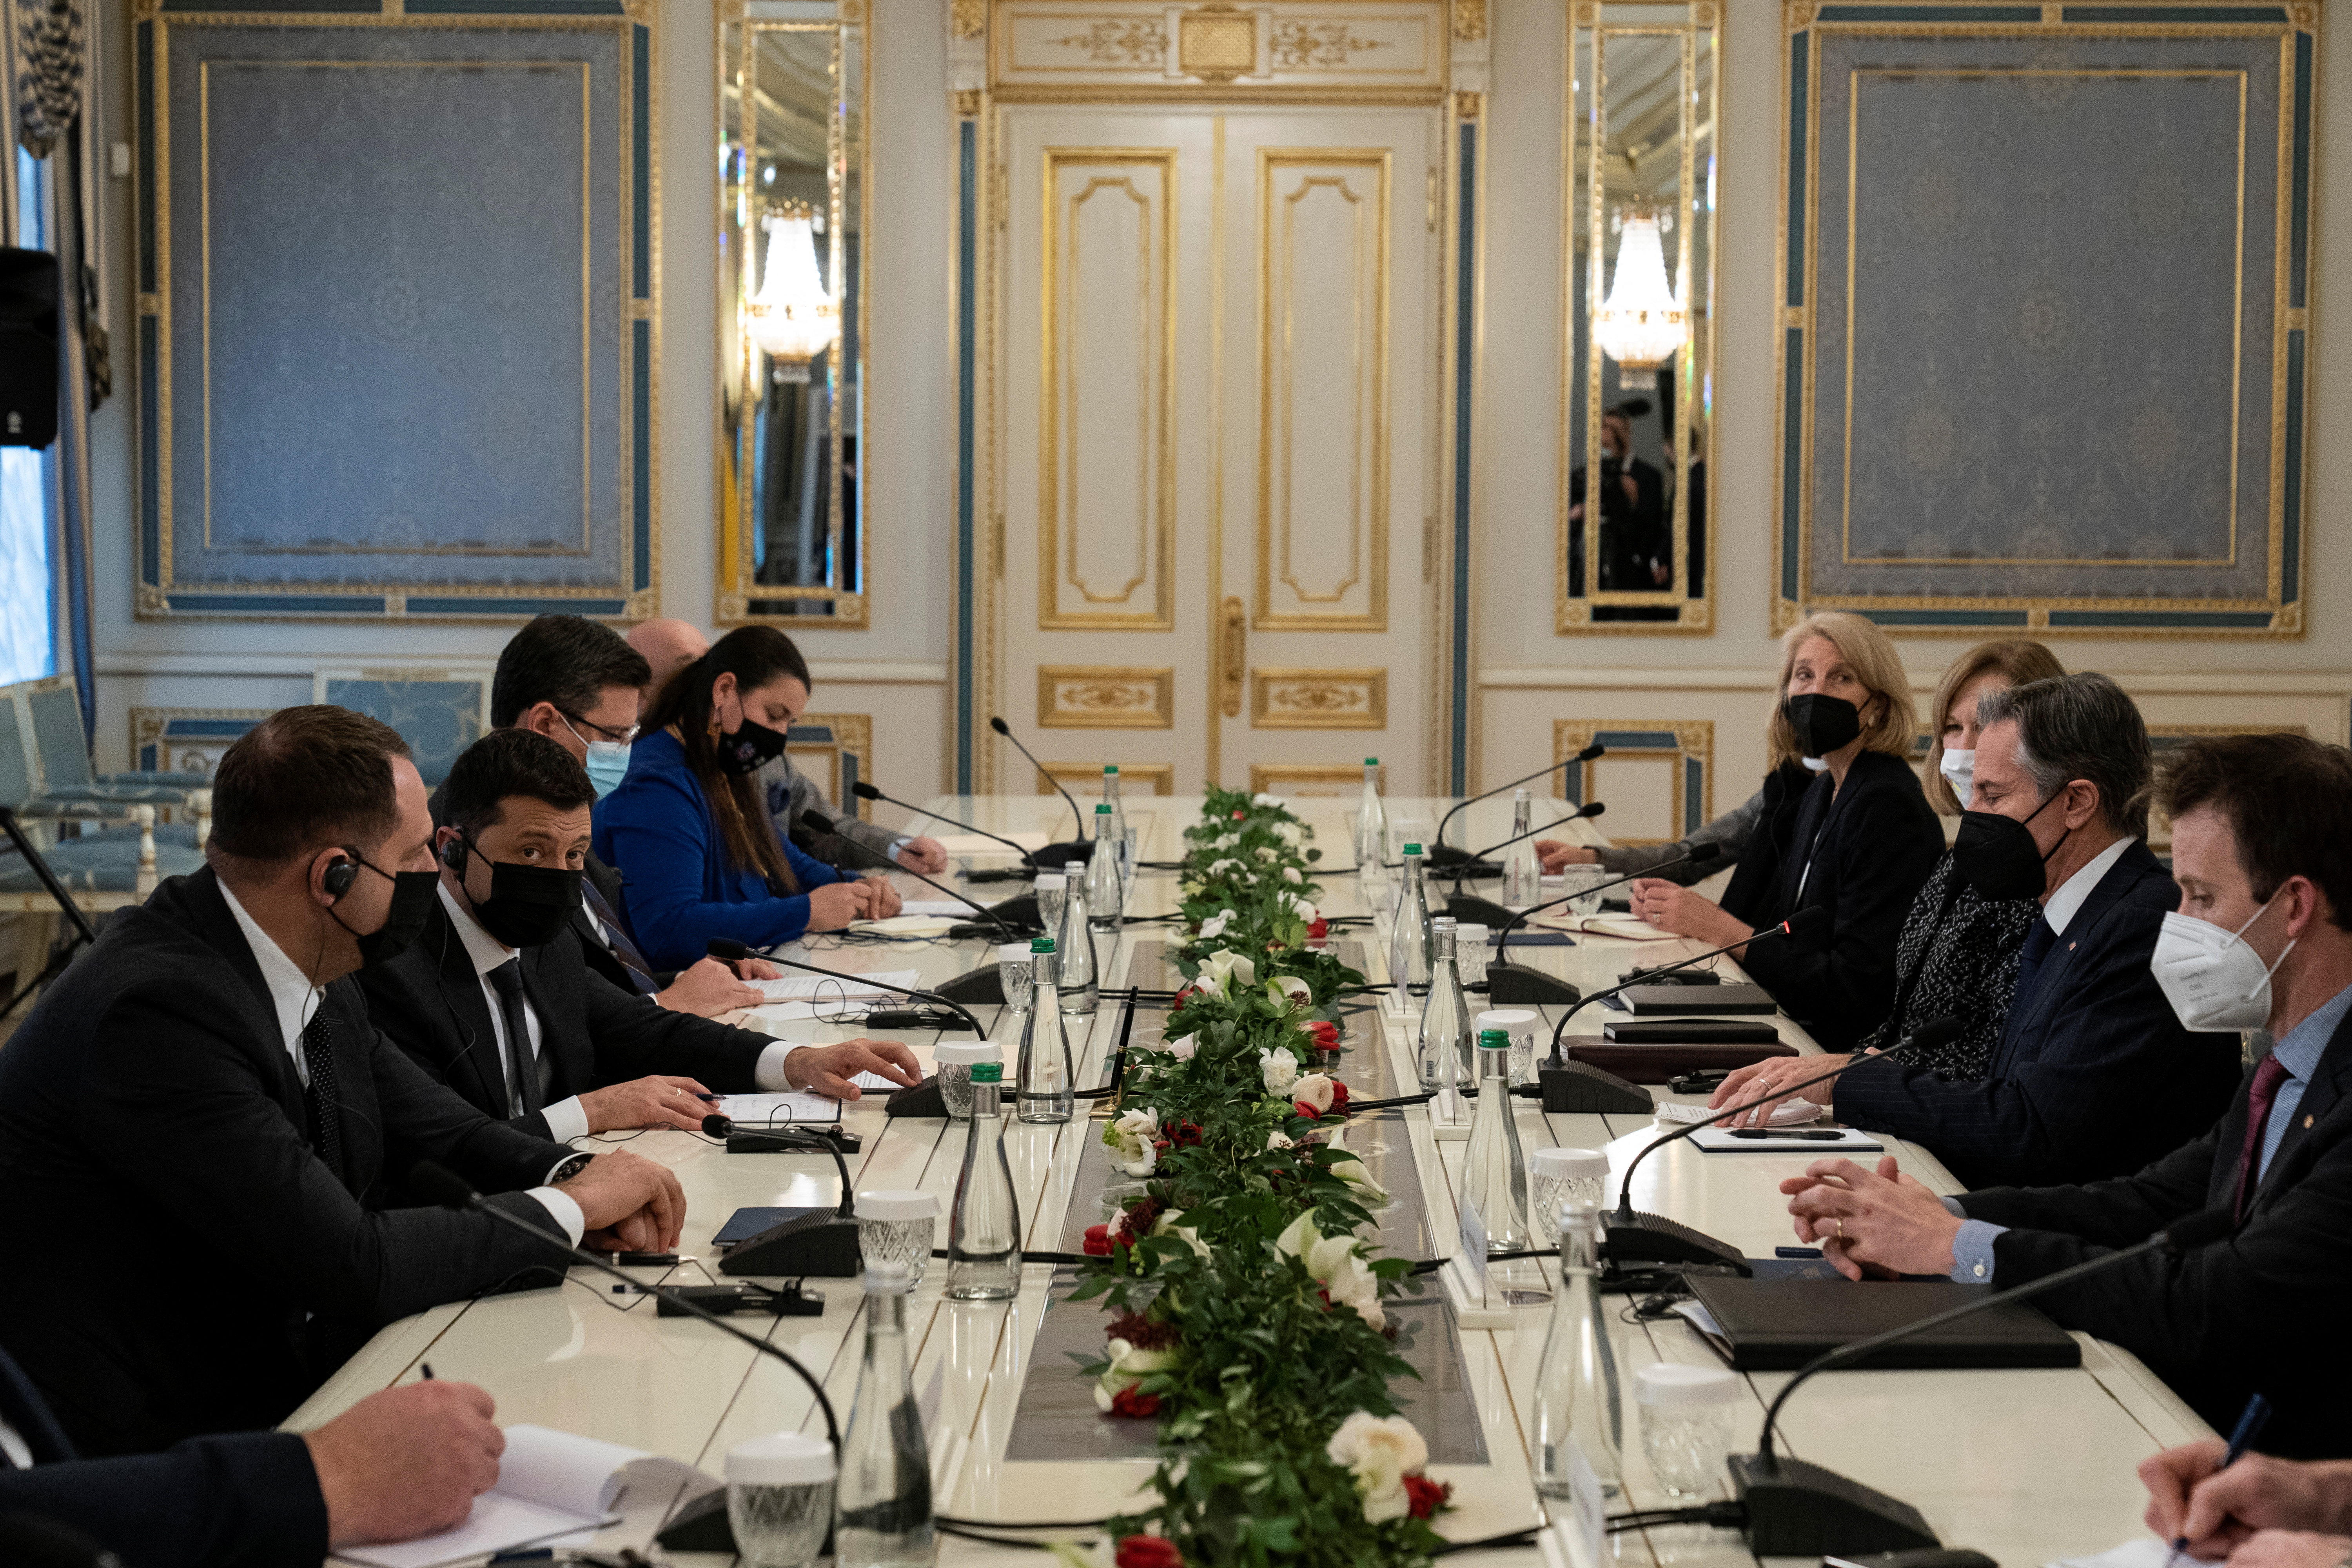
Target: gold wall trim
1337,781
852,735
1110,175
1366,471
1694,740
1318,698
1077,776
1288,50
1105,697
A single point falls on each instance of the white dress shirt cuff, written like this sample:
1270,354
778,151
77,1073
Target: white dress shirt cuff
561,1207
566,1119
770,1073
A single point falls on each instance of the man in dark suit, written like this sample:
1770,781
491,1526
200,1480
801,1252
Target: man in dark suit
495,1000
2261,846
576,682
402,1463
2093,1076
199,1116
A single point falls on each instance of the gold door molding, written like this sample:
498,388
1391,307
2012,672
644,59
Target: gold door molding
1323,389
1319,781
1319,699
1076,776
1105,697
1105,469
1146,51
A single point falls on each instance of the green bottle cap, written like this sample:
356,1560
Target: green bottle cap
1041,944
1110,767
1412,848
988,1072
1494,1039
1102,808
1371,761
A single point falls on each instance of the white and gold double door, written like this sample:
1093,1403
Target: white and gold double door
1217,444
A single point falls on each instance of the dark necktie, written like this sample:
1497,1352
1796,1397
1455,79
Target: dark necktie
526,1083
624,949
321,1098
2038,942
2259,1095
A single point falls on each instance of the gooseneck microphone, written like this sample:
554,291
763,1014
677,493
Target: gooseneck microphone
431,1180
1053,855
1653,1238
1797,1510
865,791
823,827
732,951
818,1242
1515,983
1475,865
1440,855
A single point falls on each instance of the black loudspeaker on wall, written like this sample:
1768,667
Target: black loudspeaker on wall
29,348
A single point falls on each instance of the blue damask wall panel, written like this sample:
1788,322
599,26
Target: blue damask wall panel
399,307
2040,343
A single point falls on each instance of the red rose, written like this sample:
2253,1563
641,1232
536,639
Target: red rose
1319,929
1325,1034
1149,1551
1339,1100
1300,1109
1184,995
1425,1495
1097,1241
1184,1134
1135,1407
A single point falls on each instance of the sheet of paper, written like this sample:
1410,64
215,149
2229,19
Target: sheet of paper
947,907
756,1110
799,987
973,844
1787,1114
551,1485
2149,1553
1625,928
498,1523
907,925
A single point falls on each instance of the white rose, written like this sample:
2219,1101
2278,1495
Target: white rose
1263,854
1131,1138
1214,926
1290,833
1288,990
1279,1069
1128,1367
1219,867
1221,971
1380,1452
1183,1047
1301,907
1290,874
1313,1090
1353,1284
1335,1263
1263,799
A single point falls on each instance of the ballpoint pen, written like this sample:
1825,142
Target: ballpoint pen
2250,1422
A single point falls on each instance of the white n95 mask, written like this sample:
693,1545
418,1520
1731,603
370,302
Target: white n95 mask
2215,982
1959,771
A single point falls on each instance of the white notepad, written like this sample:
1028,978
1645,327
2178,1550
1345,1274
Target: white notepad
1787,1114
2145,1553
552,1486
799,987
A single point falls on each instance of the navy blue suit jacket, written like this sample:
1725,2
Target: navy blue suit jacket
247,1501
2093,1076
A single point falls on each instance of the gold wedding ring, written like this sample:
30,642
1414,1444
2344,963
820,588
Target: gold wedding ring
1840,1222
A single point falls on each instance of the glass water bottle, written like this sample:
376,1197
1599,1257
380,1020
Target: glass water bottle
1053,892
1496,1172
1576,1402
1044,1074
1521,870
1106,893
1410,947
984,1225
884,1495
1443,1050
1372,826
1117,826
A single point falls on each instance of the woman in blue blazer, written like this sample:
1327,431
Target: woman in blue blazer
689,831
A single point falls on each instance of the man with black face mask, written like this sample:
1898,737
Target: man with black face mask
491,1003
204,1121
2093,1076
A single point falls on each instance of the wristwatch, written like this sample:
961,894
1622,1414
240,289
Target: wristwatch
569,1168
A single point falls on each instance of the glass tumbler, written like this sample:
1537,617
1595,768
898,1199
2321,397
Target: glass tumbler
1583,882
953,1061
1015,974
896,1225
1560,1176
1686,1414
1471,954
780,1498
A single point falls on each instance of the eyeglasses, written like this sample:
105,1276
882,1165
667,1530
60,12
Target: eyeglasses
617,737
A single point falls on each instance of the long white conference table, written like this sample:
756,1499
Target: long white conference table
2025,1465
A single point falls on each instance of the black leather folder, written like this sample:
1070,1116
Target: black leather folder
1650,1001
1779,1325
1689,1032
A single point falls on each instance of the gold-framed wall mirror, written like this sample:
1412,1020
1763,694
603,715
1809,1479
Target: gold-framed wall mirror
1638,353
794,86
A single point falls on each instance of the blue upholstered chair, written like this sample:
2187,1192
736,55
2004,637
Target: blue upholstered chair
44,773
439,712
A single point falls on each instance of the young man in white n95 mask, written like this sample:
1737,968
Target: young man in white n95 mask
2262,845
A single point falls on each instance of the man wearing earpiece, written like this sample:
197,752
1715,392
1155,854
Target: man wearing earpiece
2261,848
495,1000
203,1122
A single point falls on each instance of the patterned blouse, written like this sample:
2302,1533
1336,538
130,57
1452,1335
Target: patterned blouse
1970,970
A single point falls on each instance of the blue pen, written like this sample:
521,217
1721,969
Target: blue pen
2250,1422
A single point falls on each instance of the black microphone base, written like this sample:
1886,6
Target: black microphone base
1655,1239
1478,912
819,1243
1516,984
1797,1510
1054,856
984,985
796,1142
1022,914
923,1100
1575,1086
1446,855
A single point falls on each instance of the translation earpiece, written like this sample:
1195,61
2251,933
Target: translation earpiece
453,854
338,879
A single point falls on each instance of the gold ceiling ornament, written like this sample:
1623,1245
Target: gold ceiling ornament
1217,42
968,18
1469,19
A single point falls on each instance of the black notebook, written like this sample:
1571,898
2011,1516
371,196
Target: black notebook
1779,1325
1689,1032
1650,1001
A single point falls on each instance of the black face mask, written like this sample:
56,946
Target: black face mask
1822,723
751,748
1997,857
527,905
411,906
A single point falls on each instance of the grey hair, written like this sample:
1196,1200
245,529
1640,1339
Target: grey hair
2079,727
